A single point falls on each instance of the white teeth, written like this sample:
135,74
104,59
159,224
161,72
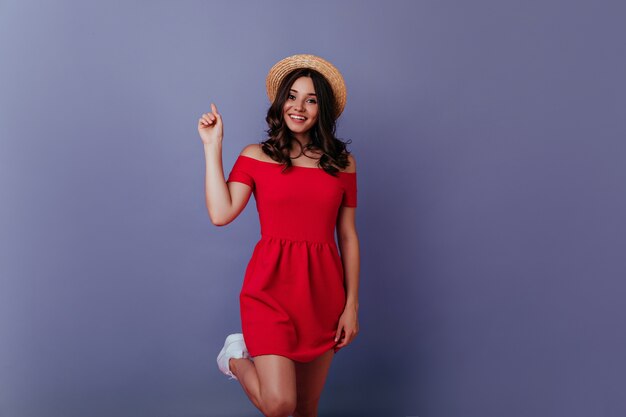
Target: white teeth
297,117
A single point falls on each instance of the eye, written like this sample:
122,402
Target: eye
311,100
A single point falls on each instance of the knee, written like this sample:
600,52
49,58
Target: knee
278,406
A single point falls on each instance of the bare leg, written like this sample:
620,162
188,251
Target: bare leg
269,382
310,380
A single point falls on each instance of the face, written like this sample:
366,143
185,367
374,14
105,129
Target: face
301,102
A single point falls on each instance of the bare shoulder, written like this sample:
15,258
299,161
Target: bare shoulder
352,164
252,150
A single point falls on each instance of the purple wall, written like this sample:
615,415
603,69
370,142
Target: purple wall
490,144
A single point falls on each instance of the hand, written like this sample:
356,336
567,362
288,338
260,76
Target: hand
349,323
210,127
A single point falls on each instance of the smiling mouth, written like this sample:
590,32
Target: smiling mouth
297,118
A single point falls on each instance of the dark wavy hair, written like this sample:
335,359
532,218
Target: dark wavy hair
334,154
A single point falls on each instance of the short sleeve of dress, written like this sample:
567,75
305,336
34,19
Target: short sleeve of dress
242,171
350,189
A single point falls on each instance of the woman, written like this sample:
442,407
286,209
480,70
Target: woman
299,298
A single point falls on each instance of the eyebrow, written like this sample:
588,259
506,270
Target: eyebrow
311,94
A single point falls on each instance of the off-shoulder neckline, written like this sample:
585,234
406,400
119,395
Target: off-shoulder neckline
293,166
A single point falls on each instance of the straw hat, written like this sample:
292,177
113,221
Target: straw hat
328,70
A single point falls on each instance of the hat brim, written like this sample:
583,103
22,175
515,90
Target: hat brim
283,67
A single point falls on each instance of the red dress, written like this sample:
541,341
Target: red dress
293,290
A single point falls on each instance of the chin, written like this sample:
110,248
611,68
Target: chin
298,129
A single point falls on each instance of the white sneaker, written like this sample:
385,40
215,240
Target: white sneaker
234,347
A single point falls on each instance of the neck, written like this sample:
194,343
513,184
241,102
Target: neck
302,138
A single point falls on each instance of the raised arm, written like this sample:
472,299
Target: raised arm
224,201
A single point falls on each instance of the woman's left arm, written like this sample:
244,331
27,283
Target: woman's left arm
348,241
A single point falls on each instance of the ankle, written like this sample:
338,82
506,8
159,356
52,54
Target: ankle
233,362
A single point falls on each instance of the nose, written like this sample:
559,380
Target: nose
299,105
